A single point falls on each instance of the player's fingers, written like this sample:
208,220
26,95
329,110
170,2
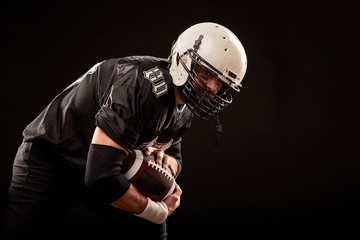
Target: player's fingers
159,153
178,190
166,161
178,195
149,150
159,156
172,170
167,164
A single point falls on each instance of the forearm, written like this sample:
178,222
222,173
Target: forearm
132,201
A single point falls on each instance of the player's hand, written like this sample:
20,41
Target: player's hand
161,157
173,201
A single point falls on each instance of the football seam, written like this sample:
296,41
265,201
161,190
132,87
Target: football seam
160,169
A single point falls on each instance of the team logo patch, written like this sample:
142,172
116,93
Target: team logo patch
155,76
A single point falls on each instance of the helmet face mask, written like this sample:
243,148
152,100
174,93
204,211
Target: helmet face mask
225,76
218,51
202,101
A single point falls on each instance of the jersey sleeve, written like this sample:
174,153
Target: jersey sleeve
118,117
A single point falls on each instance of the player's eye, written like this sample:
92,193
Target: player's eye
204,77
209,72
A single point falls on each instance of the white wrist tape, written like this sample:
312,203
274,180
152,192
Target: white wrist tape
155,212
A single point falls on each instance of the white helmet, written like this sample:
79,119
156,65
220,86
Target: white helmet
220,52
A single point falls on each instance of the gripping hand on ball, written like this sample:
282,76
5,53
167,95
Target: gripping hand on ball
173,201
157,212
164,159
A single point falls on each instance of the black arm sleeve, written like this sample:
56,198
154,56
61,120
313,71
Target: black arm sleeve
175,151
103,172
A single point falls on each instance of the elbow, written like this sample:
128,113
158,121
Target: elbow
107,189
103,172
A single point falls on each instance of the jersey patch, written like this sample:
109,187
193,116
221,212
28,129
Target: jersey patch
155,76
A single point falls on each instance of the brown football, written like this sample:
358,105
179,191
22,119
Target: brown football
149,178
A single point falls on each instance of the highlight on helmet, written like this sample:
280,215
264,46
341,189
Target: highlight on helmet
215,49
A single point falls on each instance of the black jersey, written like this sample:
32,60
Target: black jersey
131,99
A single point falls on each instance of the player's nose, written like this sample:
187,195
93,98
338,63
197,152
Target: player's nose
213,84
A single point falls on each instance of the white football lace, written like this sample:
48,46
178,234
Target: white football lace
160,169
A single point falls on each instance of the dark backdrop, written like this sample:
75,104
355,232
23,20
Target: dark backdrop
288,160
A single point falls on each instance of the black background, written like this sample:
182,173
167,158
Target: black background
288,161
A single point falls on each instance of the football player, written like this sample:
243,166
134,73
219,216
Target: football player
73,151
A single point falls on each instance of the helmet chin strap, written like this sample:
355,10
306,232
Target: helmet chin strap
218,130
217,120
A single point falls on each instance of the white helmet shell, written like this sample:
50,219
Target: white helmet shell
220,49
